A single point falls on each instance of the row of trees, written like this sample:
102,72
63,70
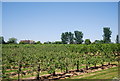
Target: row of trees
70,38
14,41
76,37
11,40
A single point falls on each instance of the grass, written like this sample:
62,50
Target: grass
15,70
103,74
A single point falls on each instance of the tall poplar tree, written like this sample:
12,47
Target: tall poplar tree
107,34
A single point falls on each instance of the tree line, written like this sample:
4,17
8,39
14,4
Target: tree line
69,38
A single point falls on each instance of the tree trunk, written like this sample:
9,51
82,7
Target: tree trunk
77,65
102,64
18,76
19,70
61,68
54,73
38,71
86,67
66,70
95,65
109,63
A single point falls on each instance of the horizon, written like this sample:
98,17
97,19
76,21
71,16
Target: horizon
44,21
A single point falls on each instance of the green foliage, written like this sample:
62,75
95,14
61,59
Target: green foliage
87,41
38,42
52,57
78,37
48,42
107,34
117,39
57,42
70,38
64,38
12,41
2,40
98,42
67,38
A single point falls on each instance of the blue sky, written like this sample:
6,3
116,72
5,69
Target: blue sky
45,21
60,0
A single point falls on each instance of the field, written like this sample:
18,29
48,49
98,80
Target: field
58,61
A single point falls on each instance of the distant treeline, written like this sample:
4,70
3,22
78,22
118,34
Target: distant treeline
67,38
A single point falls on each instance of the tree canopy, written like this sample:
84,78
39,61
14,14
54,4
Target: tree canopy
12,40
87,41
2,40
78,37
70,38
67,38
107,34
117,39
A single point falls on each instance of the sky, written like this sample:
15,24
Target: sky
45,21
60,0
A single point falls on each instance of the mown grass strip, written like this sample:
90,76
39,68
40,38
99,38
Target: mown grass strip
100,75
94,73
108,76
